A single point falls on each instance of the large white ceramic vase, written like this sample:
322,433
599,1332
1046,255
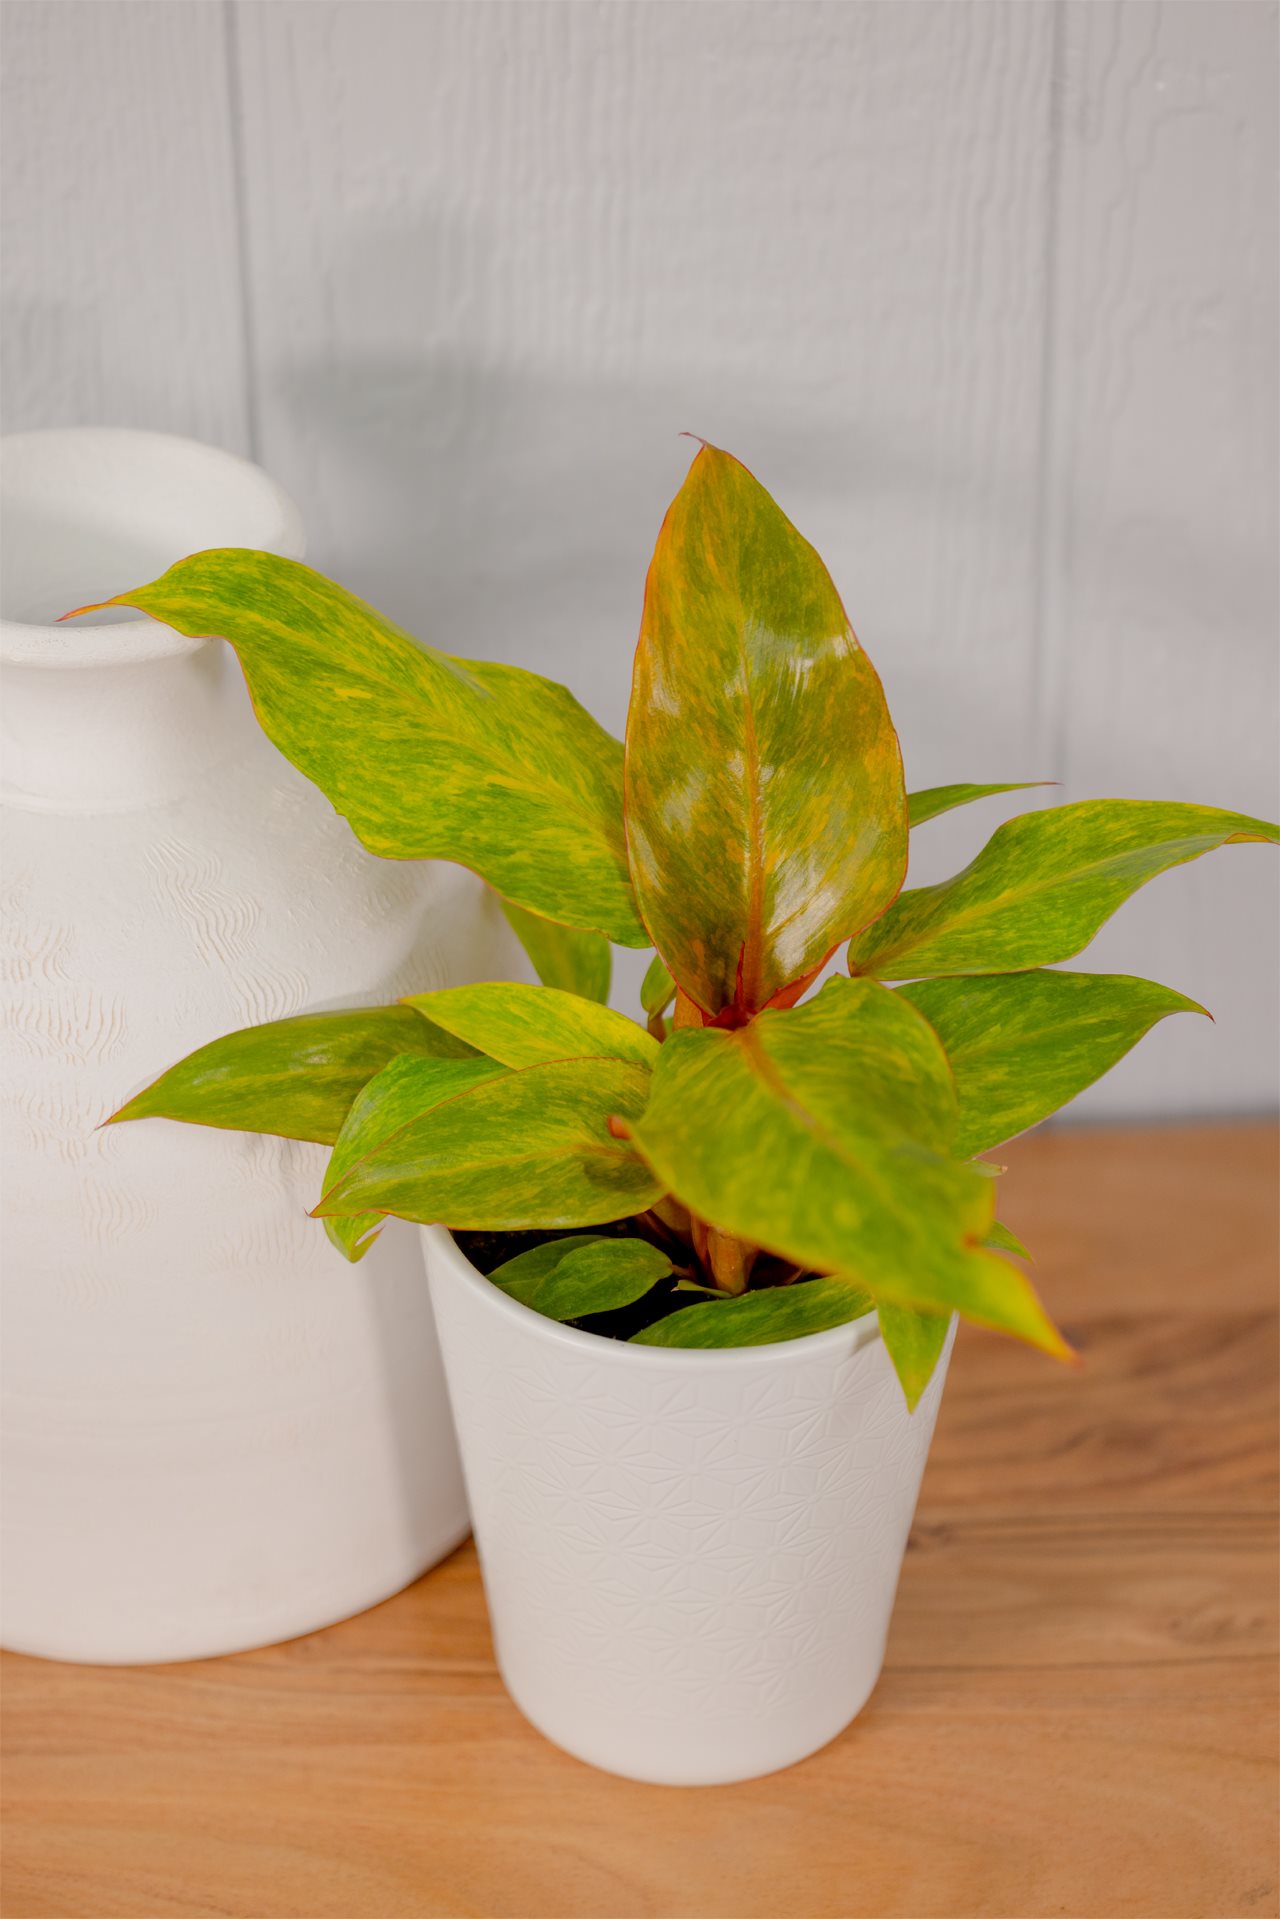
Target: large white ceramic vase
690,1558
216,1433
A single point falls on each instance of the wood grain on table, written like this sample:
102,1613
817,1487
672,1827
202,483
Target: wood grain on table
1078,1715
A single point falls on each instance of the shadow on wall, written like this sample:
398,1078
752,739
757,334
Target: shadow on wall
504,502
511,515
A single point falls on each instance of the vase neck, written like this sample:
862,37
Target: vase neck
122,735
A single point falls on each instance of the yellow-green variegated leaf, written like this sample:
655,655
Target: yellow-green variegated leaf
766,814
575,1277
426,756
822,1134
1003,1239
657,988
529,1148
914,1342
293,1077
353,1237
1022,1044
932,800
1041,887
761,1319
563,956
520,1025
406,1086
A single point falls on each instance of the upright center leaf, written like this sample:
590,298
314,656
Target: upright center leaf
766,813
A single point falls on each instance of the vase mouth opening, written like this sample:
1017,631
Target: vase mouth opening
86,513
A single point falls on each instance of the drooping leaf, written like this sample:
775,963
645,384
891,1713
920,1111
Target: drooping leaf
914,1342
822,1134
657,988
1002,1239
766,814
406,1086
293,1077
426,756
761,1319
1022,1044
563,956
354,1236
932,800
1041,887
527,1148
590,1276
520,1025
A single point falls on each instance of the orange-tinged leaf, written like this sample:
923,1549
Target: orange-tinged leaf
766,811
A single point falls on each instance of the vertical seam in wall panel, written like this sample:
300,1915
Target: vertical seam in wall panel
240,211
1050,743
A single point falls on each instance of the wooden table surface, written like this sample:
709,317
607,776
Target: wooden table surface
1078,1715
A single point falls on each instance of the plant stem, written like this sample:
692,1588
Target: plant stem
730,1261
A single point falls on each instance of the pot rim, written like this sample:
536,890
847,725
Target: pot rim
31,643
852,1337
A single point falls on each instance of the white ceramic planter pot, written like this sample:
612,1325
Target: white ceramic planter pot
690,1558
216,1434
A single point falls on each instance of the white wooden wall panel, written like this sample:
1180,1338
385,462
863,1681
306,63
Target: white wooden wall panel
120,263
1162,604
502,255
985,292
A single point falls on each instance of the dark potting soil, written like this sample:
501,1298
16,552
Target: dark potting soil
488,1251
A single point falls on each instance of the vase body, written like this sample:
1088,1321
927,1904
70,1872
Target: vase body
690,1558
216,1433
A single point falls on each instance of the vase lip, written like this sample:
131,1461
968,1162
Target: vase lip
837,1342
261,505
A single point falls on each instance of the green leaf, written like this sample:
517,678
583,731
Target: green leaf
932,800
588,1276
657,988
426,756
766,815
563,956
761,1319
295,1077
406,1085
1042,886
520,1025
524,1149
1022,1044
821,1134
1002,1239
914,1342
353,1237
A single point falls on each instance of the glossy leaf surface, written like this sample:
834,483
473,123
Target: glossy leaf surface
766,814
563,956
406,1086
427,757
1042,886
523,1149
914,1342
1022,1044
521,1025
932,800
761,1319
822,1134
587,1276
293,1077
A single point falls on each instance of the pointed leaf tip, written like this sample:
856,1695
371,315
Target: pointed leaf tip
749,688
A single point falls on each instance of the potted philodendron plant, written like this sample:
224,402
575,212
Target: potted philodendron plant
696,1280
